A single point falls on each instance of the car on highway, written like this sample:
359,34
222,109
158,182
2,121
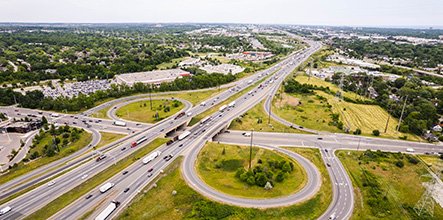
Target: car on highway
5,210
150,170
149,174
168,157
410,150
125,172
84,176
328,164
181,145
247,134
126,190
124,148
326,150
89,196
51,183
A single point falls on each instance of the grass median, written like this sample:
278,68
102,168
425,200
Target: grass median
141,111
257,119
69,197
215,108
161,203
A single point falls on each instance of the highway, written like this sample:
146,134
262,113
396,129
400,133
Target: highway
27,203
343,197
47,171
199,135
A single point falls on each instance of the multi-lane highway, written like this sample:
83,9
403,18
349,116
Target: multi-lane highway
27,203
199,135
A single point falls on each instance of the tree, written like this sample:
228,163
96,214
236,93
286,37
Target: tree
376,132
357,131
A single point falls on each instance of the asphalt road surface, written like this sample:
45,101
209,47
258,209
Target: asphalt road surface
199,135
27,203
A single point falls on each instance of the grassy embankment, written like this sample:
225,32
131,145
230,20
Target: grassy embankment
188,204
217,165
141,110
386,185
80,190
315,112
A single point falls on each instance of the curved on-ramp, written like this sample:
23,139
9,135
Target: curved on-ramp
308,191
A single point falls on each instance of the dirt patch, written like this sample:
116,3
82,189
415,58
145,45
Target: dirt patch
286,100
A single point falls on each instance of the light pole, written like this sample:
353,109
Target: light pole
269,117
250,149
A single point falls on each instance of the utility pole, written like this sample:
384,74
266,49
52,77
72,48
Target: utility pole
402,111
150,96
389,117
250,149
269,118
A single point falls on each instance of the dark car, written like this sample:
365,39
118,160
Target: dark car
150,170
126,190
89,196
326,150
329,165
149,174
319,138
162,130
123,149
125,172
181,145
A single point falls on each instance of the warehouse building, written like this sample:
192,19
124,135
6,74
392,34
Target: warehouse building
155,77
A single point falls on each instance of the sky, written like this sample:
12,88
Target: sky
380,13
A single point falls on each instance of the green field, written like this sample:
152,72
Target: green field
188,204
382,189
22,167
108,138
197,97
80,190
102,113
234,157
312,113
170,65
366,117
141,110
315,113
304,79
257,119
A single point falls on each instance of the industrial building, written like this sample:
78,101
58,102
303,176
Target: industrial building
155,77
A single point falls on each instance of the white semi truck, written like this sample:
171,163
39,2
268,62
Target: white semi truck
151,157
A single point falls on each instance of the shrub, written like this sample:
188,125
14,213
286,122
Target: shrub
376,132
357,131
399,164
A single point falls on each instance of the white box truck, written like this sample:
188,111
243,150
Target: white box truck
184,135
120,123
232,104
151,157
222,108
106,187
107,211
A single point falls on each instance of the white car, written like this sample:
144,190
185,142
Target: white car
5,210
51,183
411,150
84,176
